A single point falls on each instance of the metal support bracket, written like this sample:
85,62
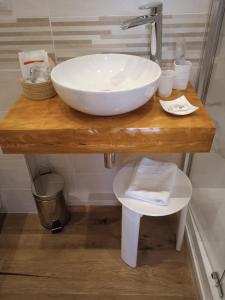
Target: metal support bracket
218,282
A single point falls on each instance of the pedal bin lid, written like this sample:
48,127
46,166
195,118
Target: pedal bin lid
47,186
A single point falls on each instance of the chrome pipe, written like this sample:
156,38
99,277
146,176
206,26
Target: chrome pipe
109,160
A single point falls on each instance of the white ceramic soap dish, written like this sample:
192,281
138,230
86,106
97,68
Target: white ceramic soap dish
180,106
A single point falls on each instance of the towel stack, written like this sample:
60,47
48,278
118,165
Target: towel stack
152,181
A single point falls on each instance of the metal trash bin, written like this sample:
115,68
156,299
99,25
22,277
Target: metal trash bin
47,190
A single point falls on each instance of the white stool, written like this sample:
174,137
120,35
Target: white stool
133,210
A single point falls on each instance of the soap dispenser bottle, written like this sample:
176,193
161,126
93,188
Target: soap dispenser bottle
180,52
182,67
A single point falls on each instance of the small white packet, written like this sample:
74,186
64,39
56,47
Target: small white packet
179,107
34,66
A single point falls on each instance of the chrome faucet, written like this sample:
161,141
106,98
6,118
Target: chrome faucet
155,19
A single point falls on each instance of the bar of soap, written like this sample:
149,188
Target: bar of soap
179,107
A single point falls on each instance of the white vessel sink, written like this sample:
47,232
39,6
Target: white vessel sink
106,84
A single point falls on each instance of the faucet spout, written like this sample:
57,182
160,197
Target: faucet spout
138,21
155,18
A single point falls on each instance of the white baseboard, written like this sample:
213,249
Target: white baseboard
201,262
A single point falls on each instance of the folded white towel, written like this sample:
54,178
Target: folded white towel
152,181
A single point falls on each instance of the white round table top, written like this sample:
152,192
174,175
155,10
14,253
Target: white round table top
180,197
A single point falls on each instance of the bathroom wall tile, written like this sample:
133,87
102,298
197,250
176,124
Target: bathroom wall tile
24,8
67,8
18,201
83,172
5,8
13,173
88,163
183,18
182,7
58,8
10,156
74,36
61,161
90,183
23,34
10,88
29,8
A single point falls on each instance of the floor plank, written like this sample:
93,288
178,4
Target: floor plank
83,262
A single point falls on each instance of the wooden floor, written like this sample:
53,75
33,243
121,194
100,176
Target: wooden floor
83,262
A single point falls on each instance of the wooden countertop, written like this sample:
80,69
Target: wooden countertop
50,126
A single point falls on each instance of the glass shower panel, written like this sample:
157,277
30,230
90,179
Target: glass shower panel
208,170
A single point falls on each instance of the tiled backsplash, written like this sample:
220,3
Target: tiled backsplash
75,36
22,34
90,27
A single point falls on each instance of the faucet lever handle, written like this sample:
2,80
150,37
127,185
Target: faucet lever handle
156,6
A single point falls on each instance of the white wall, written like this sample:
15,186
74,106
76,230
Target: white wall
87,181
